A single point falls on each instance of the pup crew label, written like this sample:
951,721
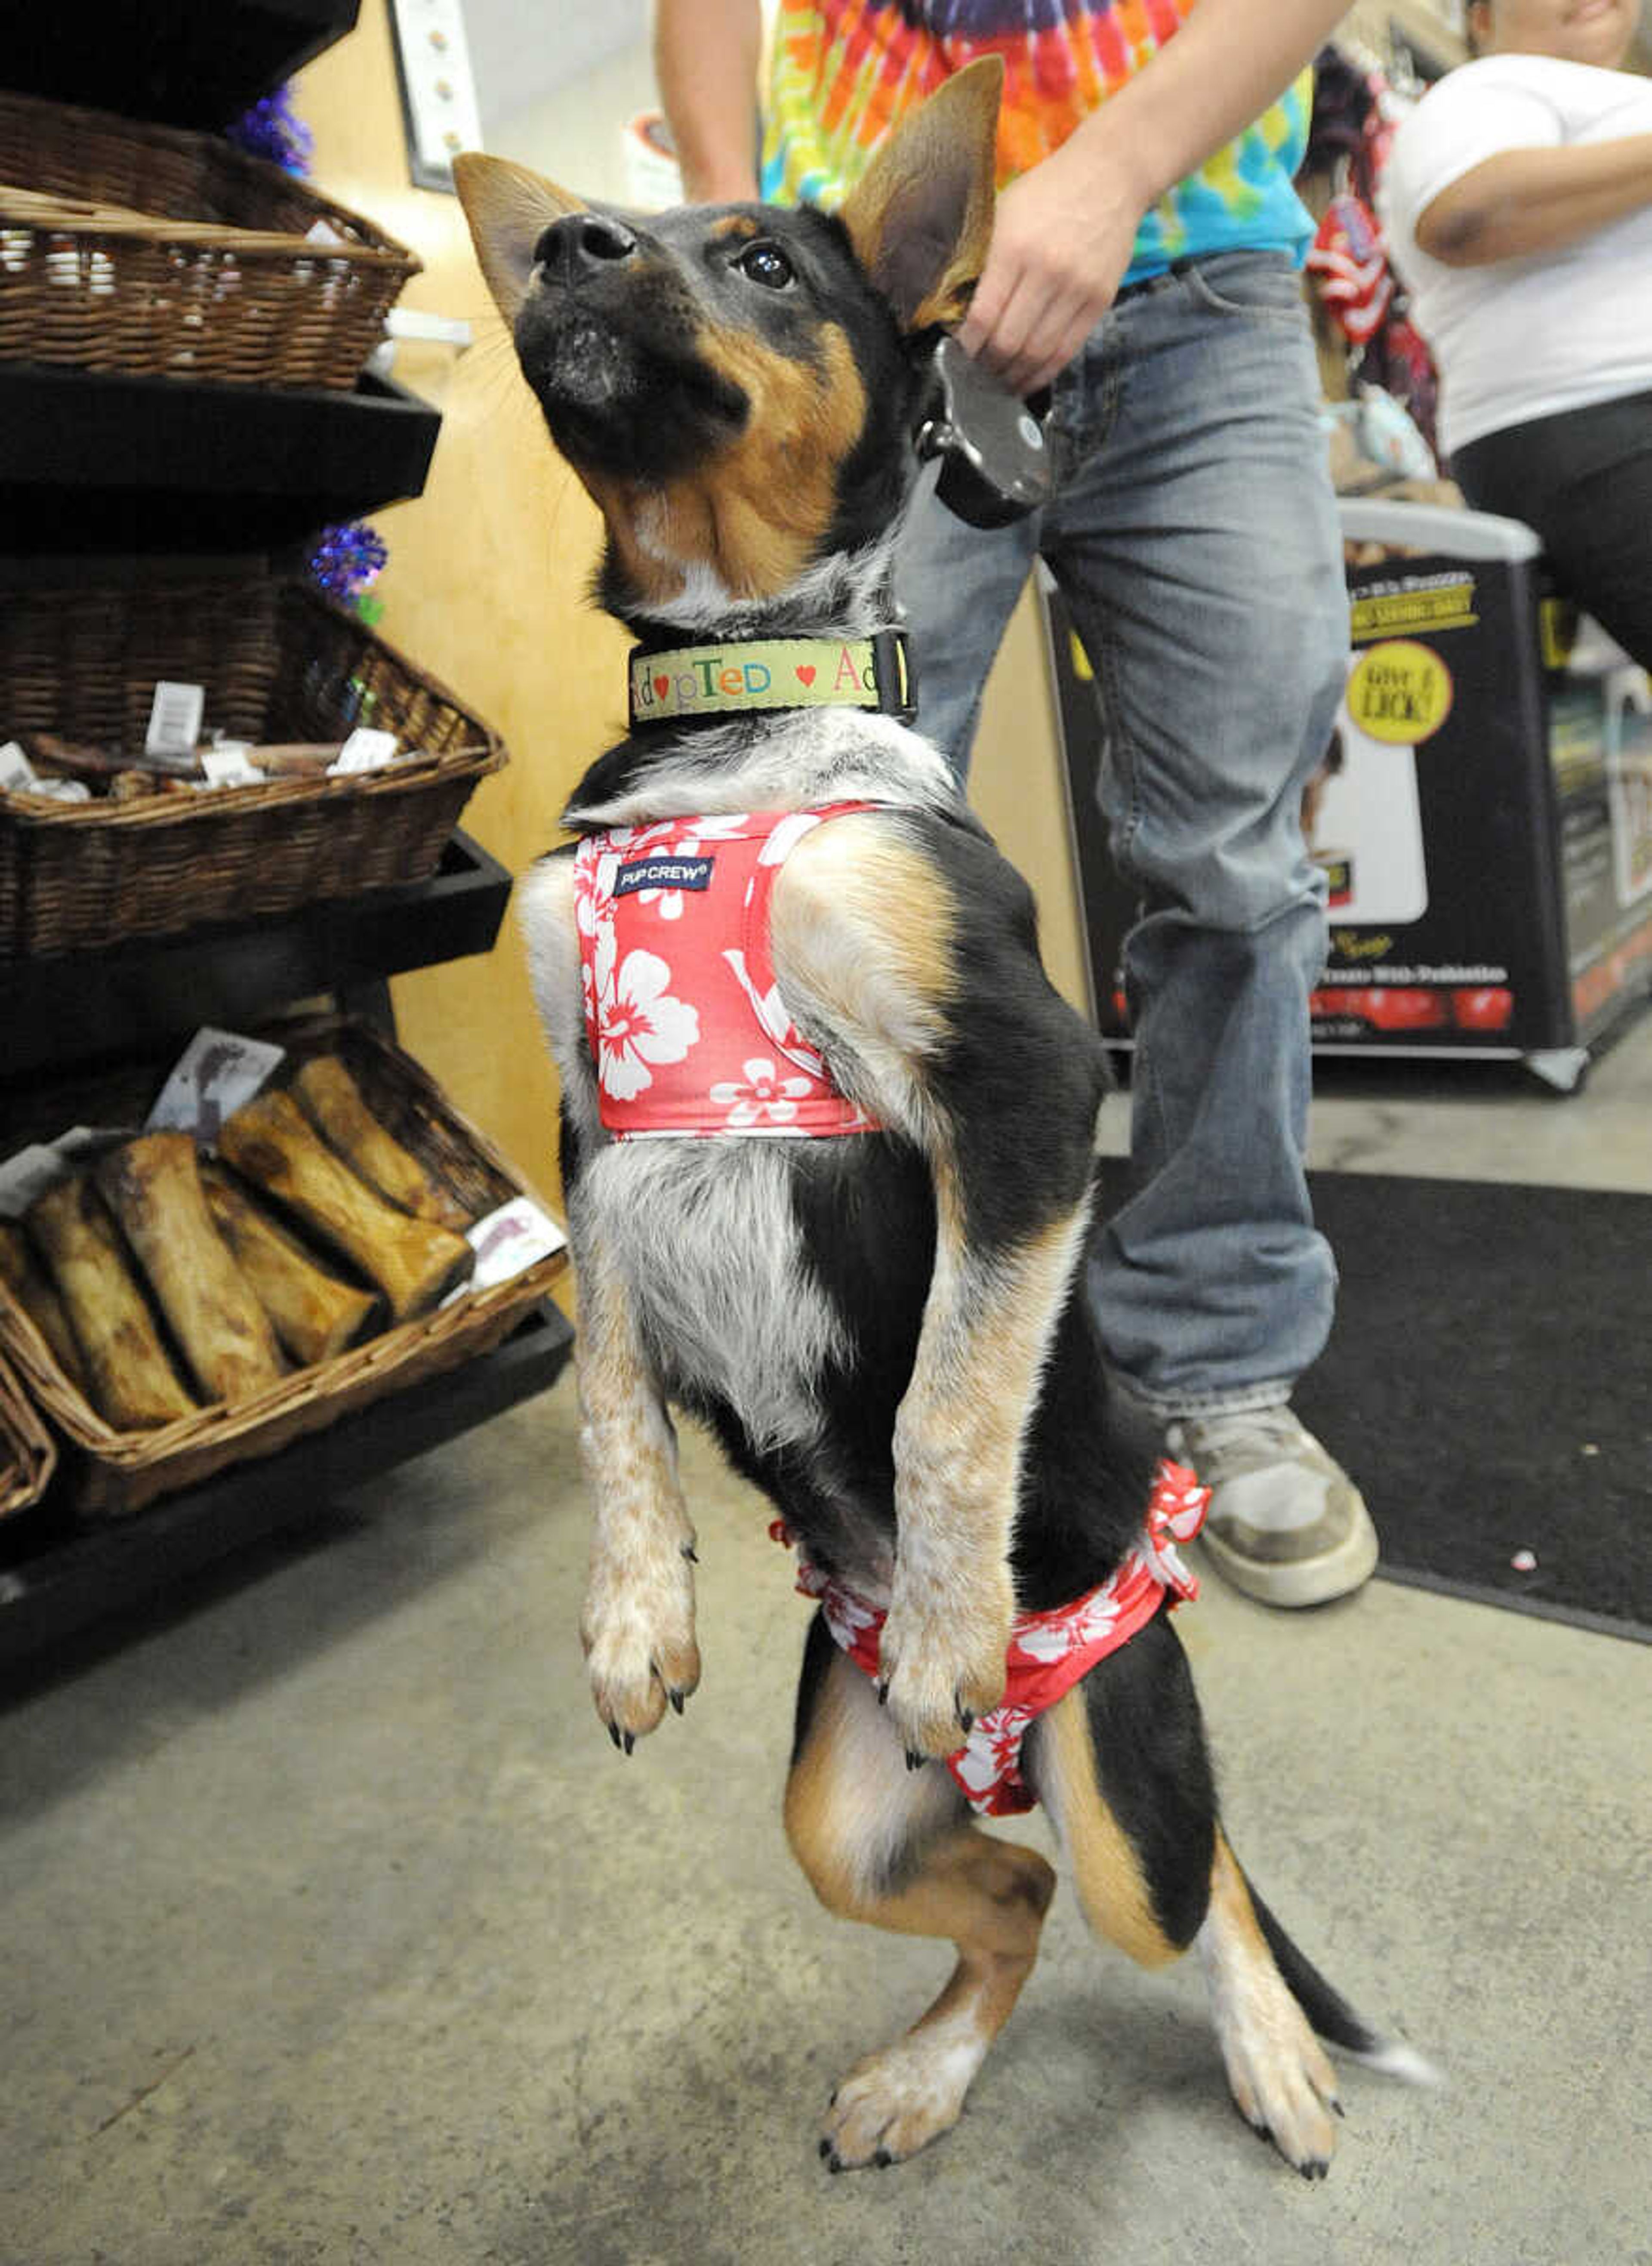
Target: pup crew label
712,680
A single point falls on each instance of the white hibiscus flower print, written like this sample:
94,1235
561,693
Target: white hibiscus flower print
992,1749
637,1021
1053,1636
847,1615
765,1098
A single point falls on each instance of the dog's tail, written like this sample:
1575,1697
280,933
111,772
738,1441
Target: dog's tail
1330,2013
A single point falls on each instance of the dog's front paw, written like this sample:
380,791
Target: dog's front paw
941,1660
638,1631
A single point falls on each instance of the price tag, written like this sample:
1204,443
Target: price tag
507,1242
216,1072
227,765
174,724
365,751
16,770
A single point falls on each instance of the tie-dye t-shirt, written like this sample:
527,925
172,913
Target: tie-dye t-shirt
842,72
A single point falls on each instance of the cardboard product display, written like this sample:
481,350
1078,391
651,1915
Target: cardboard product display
1483,816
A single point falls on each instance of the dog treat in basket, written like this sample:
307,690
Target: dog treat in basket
315,1314
271,1142
295,759
133,1385
332,1101
23,1276
152,1185
104,769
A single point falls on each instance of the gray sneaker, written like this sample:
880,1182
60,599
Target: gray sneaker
1285,1524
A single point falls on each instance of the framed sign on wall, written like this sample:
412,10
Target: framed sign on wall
438,89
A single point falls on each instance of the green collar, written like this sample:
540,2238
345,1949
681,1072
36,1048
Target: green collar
692,680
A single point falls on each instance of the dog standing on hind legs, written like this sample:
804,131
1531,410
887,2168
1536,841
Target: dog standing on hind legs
828,1141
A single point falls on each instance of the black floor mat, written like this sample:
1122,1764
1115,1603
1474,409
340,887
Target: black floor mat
1489,1383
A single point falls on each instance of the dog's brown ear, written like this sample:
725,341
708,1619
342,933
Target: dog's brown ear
509,209
921,214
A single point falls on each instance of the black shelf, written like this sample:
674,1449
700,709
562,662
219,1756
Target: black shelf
76,1007
178,62
101,463
169,478
58,1579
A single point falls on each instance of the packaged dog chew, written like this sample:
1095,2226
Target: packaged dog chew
24,1278
271,1142
315,1314
152,1186
332,1101
132,1383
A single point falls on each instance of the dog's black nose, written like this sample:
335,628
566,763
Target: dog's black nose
582,241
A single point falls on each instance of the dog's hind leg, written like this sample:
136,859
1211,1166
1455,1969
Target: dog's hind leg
895,1847
1121,1765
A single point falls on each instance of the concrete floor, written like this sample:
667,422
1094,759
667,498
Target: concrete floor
335,1930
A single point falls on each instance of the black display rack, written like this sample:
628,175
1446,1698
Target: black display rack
73,1008
175,63
101,470
102,463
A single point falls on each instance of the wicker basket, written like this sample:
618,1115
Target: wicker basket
27,1458
279,662
111,1473
164,254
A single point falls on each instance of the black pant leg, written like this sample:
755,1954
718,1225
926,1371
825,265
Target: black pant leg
1584,482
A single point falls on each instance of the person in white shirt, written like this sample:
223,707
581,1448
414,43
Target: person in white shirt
1517,200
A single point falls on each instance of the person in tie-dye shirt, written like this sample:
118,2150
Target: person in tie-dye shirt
1144,264
841,70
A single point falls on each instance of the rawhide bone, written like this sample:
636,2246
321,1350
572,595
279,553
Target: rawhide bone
332,1101
152,1186
24,1277
133,1383
315,1314
271,1142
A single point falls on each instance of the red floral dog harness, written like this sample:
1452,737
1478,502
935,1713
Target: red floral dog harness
688,1031
1048,1652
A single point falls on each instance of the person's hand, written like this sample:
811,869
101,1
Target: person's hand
1062,240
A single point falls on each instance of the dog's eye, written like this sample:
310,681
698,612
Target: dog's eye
766,264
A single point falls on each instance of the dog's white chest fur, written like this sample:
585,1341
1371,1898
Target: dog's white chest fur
702,1233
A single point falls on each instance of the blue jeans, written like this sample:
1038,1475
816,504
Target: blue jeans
1193,534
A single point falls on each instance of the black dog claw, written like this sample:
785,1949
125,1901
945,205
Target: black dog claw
690,1553
915,1761
883,1691
825,2149
613,1733
630,1741
676,1697
967,1717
